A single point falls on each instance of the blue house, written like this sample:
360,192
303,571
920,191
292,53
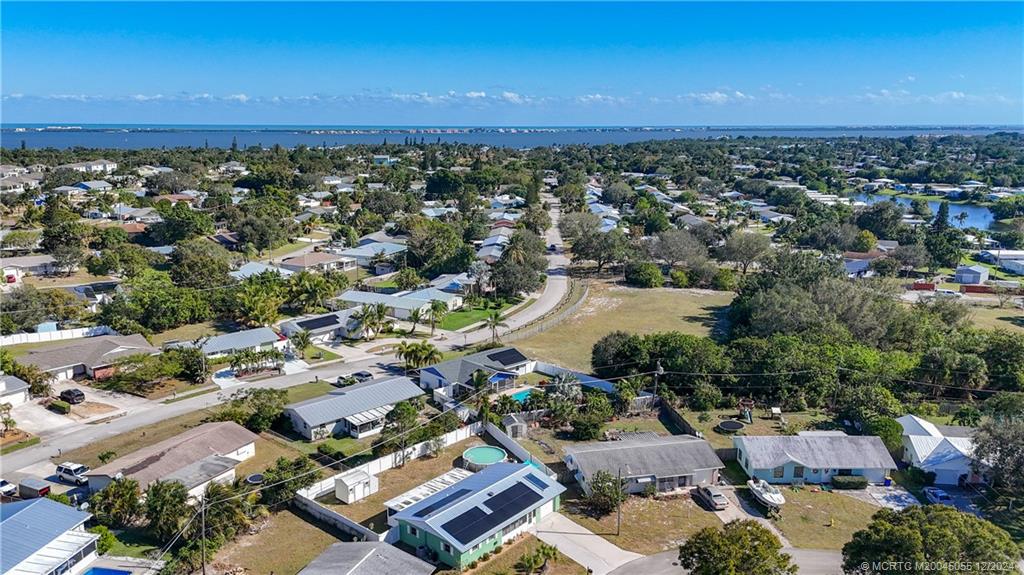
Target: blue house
813,457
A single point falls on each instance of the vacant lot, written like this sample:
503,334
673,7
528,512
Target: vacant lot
285,545
192,332
760,426
611,307
648,525
1007,318
821,520
394,482
78,278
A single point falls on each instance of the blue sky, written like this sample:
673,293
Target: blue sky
514,64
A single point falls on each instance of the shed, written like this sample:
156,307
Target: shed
971,275
354,485
516,427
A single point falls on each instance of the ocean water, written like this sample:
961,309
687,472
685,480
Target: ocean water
171,136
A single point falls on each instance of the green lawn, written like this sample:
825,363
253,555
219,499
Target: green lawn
314,354
822,520
1007,318
760,426
505,562
281,252
308,391
460,319
192,332
134,542
611,307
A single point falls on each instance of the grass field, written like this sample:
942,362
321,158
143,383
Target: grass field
558,440
822,520
648,525
611,307
79,277
285,545
460,319
1008,318
760,426
268,450
191,332
134,542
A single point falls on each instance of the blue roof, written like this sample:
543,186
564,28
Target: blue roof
28,526
373,248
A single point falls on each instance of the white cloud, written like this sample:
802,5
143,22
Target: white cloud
475,95
238,98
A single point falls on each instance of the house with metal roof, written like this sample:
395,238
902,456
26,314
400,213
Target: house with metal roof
326,327
94,357
43,537
260,338
401,305
664,463
813,458
256,268
319,262
205,454
357,410
945,450
499,364
459,524
366,252
366,558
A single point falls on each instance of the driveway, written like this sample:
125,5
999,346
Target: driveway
810,561
893,497
583,546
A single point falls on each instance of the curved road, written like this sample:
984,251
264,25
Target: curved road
71,437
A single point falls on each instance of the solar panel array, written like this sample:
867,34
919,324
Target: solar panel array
507,357
444,501
318,322
536,481
504,506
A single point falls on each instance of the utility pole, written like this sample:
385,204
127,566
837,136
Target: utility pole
618,499
203,527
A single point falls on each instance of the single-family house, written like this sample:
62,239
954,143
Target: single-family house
260,338
93,166
813,458
664,463
94,357
365,253
21,266
438,212
402,304
357,410
43,537
318,262
454,283
687,221
13,390
971,275
500,364
366,558
945,450
326,327
255,268
204,454
422,491
95,186
459,524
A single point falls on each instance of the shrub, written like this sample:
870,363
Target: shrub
473,565
61,407
849,481
498,549
724,280
485,557
680,279
106,540
59,498
644,274
920,476
705,397
329,451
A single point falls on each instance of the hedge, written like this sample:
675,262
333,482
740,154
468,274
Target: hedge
849,481
61,407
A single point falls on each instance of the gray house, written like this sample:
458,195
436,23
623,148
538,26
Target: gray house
971,275
813,458
326,327
366,558
260,338
357,410
666,463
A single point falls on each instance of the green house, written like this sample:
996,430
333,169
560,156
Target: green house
459,524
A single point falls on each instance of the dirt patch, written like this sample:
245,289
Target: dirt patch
14,436
90,409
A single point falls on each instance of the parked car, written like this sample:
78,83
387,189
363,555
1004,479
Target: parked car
948,293
937,496
713,497
73,473
353,378
31,487
72,396
7,489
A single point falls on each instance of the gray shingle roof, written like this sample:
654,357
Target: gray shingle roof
366,558
28,526
348,401
198,473
93,352
662,457
818,451
10,385
460,370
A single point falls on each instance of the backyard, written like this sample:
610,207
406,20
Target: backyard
608,305
394,482
649,525
761,425
992,317
82,276
548,445
192,331
286,544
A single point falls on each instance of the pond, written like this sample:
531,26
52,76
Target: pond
977,216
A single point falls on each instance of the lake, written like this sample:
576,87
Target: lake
134,137
977,216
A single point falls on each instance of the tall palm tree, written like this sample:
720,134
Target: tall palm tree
961,218
427,354
493,323
416,317
406,351
438,309
300,341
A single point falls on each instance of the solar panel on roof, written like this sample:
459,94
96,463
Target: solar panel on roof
318,322
507,357
536,481
454,496
504,506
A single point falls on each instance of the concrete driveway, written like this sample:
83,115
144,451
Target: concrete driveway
810,561
583,546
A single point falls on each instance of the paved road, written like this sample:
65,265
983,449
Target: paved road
583,546
73,436
810,561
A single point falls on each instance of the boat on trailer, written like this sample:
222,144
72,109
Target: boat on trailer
766,493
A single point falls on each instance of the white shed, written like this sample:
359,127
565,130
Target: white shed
355,485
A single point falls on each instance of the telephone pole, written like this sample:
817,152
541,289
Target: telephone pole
203,527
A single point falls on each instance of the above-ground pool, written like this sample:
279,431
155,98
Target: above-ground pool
476,458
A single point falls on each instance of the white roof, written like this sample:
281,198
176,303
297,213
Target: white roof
914,425
54,553
427,489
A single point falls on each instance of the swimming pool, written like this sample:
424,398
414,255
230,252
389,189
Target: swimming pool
106,571
521,396
476,458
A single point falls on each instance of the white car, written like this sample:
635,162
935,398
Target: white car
7,489
937,496
73,473
948,293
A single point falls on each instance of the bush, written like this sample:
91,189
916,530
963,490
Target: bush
498,549
106,540
680,279
61,407
920,476
849,481
473,565
644,274
59,498
485,557
724,280
330,452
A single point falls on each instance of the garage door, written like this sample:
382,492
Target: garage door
547,508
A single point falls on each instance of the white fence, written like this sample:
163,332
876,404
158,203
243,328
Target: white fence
305,499
513,447
61,334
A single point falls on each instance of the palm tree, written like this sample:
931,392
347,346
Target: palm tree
427,354
493,323
307,291
416,317
372,318
506,404
438,309
300,341
961,218
479,379
406,351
